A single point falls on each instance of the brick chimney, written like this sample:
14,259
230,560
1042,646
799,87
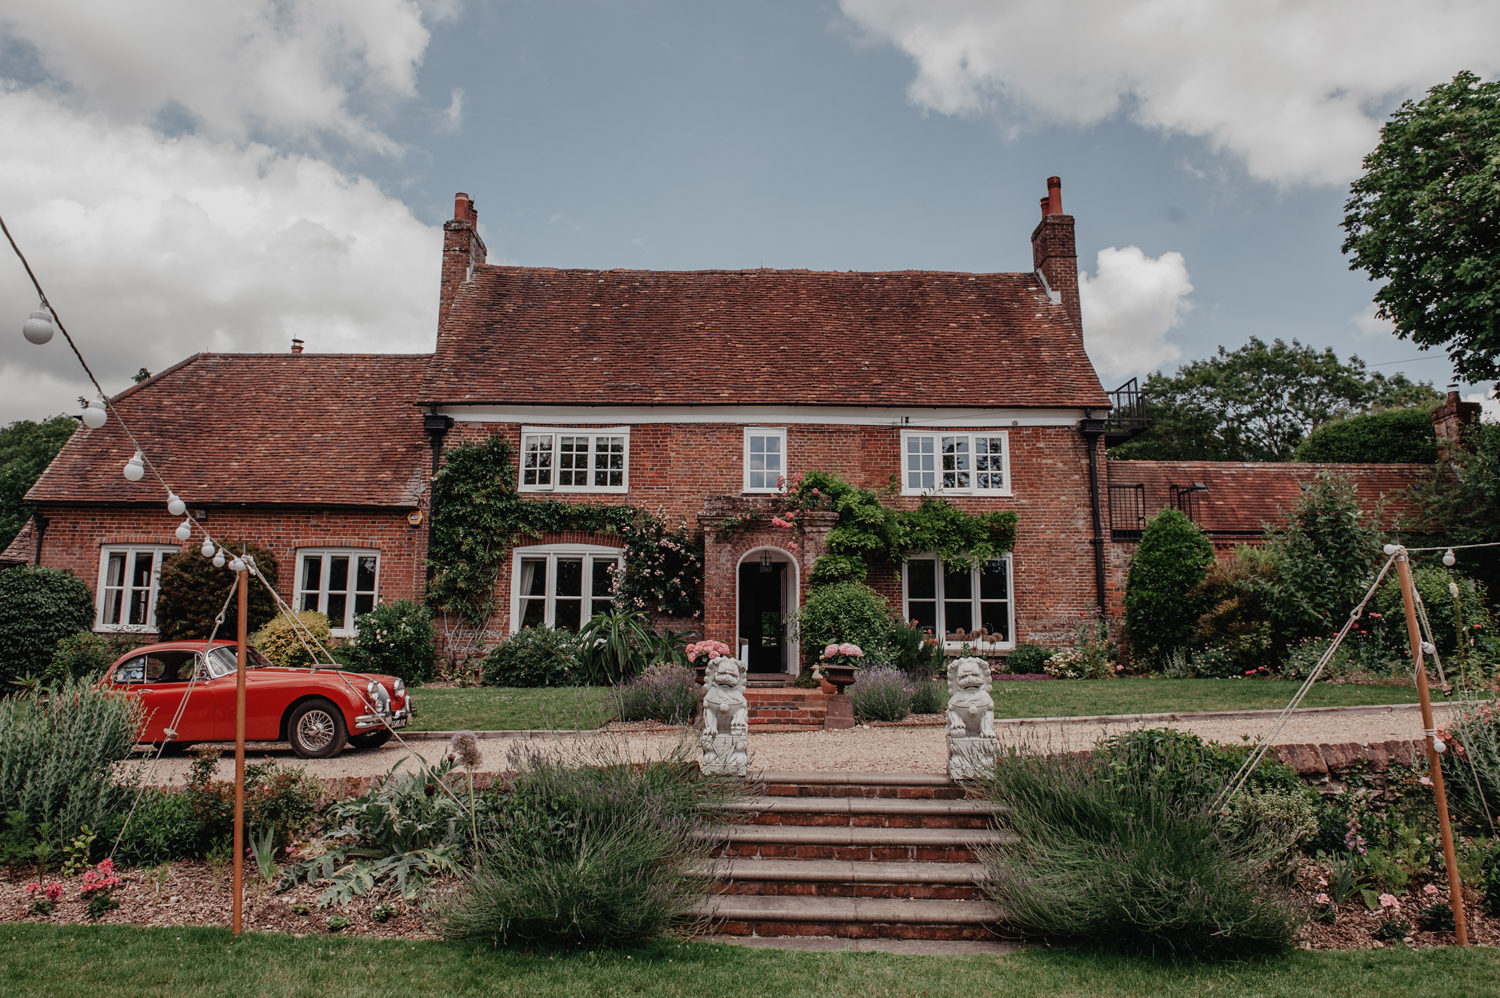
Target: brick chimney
1449,421
1053,254
463,250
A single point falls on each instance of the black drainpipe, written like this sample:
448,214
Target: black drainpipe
41,529
436,426
1092,431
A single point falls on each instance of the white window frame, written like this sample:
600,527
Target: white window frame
777,433
553,435
338,628
132,553
590,553
937,470
974,597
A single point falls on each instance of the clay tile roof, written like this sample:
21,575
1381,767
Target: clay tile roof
22,548
1243,497
537,336
330,429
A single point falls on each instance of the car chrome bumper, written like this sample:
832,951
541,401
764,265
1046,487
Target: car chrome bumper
398,719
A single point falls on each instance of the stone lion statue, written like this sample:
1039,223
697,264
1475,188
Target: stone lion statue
726,718
971,709
724,707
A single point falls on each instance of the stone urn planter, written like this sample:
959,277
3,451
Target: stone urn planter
840,677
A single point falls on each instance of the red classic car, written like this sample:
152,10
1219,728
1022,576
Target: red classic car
316,710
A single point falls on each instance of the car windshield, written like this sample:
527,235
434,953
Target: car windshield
222,660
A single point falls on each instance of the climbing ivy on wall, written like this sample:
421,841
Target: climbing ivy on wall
867,530
477,517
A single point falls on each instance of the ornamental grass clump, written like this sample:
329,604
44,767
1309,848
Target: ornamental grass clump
1126,864
580,855
666,693
881,695
58,753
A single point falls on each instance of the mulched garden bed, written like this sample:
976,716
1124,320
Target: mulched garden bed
198,893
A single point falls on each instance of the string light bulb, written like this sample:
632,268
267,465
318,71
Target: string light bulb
175,506
238,565
207,549
38,328
219,558
135,468
1449,558
94,416
184,530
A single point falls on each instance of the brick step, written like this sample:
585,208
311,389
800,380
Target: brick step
901,845
786,705
906,786
867,812
849,918
842,878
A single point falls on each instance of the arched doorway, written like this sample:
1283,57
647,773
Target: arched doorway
766,594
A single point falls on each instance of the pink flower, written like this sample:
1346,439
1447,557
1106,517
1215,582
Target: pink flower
830,651
853,651
1426,781
1321,899
1389,901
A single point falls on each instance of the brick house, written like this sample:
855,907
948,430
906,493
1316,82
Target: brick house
690,394
686,394
318,458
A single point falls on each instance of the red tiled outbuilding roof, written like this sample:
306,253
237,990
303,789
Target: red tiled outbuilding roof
538,336
329,429
1242,497
22,548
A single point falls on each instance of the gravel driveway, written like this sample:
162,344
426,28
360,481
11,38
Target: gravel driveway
878,749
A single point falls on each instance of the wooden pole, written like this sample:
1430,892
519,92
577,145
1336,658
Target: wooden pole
1434,762
237,918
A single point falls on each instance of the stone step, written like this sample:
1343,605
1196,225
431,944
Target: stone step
849,917
902,845
870,812
907,786
843,878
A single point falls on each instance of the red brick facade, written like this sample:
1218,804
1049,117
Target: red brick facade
74,537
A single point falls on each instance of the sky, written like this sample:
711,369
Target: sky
187,176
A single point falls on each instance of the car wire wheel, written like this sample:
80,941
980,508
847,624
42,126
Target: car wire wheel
316,730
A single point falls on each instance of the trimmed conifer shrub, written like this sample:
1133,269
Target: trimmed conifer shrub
192,591
1168,567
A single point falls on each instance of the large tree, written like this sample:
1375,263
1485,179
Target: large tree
1259,402
26,448
1425,219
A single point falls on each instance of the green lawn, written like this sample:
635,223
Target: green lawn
505,709
492,709
106,961
1080,698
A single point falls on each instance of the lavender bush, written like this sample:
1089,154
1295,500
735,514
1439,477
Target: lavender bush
881,695
667,693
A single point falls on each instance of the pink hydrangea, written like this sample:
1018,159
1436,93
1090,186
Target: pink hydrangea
830,650
853,651
1389,901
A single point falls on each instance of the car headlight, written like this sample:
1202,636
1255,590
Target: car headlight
400,687
378,696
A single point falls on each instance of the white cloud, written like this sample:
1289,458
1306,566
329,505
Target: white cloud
152,249
1369,326
1297,91
1489,405
1128,308
244,69
453,117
